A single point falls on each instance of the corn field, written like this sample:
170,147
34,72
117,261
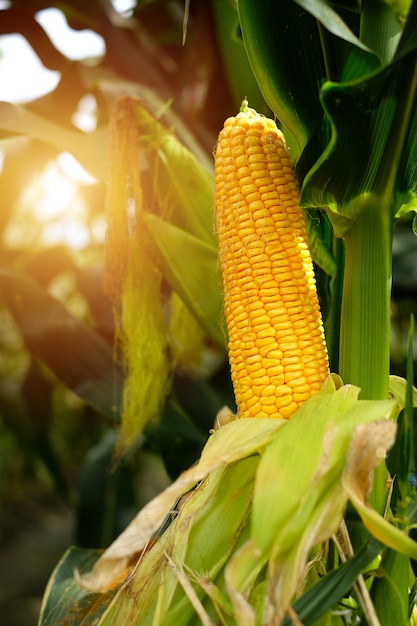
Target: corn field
256,166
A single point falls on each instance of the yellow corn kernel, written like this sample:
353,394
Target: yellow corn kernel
277,351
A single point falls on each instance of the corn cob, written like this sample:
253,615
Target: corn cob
277,351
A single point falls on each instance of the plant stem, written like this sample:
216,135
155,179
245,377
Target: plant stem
365,317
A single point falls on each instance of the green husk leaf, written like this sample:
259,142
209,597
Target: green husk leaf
175,180
305,505
153,180
240,574
398,390
325,444
155,593
234,441
190,266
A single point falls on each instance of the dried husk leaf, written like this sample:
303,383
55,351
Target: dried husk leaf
230,443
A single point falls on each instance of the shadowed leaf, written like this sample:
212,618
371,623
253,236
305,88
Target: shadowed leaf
65,602
75,352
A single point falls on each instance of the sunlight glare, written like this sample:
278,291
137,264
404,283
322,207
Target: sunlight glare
70,167
85,117
124,7
51,211
74,44
22,75
50,194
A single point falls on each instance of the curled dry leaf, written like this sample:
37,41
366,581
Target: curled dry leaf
369,445
236,440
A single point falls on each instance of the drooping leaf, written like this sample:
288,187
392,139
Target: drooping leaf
179,183
305,505
283,45
90,150
356,482
190,266
372,116
324,12
292,55
75,352
164,589
239,73
65,602
234,441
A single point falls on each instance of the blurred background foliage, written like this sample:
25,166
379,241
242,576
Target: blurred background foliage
60,382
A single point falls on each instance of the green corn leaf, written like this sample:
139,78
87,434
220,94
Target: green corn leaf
398,460
401,7
65,602
90,150
384,38
331,588
175,179
324,12
283,45
353,101
320,251
190,266
164,585
382,127
50,331
321,449
389,591
402,459
292,54
240,77
305,504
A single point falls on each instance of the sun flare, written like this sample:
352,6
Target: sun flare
52,210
